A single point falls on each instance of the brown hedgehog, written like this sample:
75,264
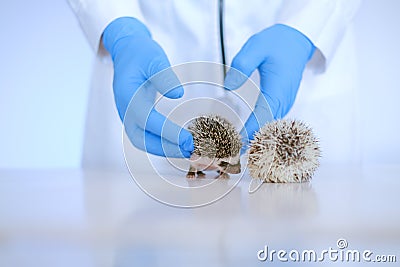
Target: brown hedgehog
217,146
284,151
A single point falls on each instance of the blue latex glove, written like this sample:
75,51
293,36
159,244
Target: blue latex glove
137,57
280,54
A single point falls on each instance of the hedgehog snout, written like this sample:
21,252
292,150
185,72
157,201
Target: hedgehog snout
230,168
233,168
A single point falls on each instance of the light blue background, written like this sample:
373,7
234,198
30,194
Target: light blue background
44,81
45,73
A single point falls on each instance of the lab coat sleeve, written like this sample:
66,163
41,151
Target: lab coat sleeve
95,15
323,21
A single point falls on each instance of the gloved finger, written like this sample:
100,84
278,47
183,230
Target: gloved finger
124,92
132,71
244,63
154,144
142,113
159,125
279,86
162,76
128,81
258,118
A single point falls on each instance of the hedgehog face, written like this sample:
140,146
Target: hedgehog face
229,165
226,165
217,145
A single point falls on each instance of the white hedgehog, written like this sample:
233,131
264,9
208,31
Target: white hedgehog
284,151
217,146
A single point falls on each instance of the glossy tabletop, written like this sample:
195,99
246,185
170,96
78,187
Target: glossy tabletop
99,218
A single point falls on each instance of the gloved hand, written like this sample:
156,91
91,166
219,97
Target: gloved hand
137,57
280,54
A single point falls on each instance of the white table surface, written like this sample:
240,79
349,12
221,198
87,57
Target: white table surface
97,218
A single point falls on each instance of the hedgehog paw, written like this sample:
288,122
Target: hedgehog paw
190,175
200,174
223,175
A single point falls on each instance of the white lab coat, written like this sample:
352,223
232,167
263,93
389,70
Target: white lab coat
189,31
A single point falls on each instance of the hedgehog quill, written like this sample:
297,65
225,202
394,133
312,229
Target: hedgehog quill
217,146
284,151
